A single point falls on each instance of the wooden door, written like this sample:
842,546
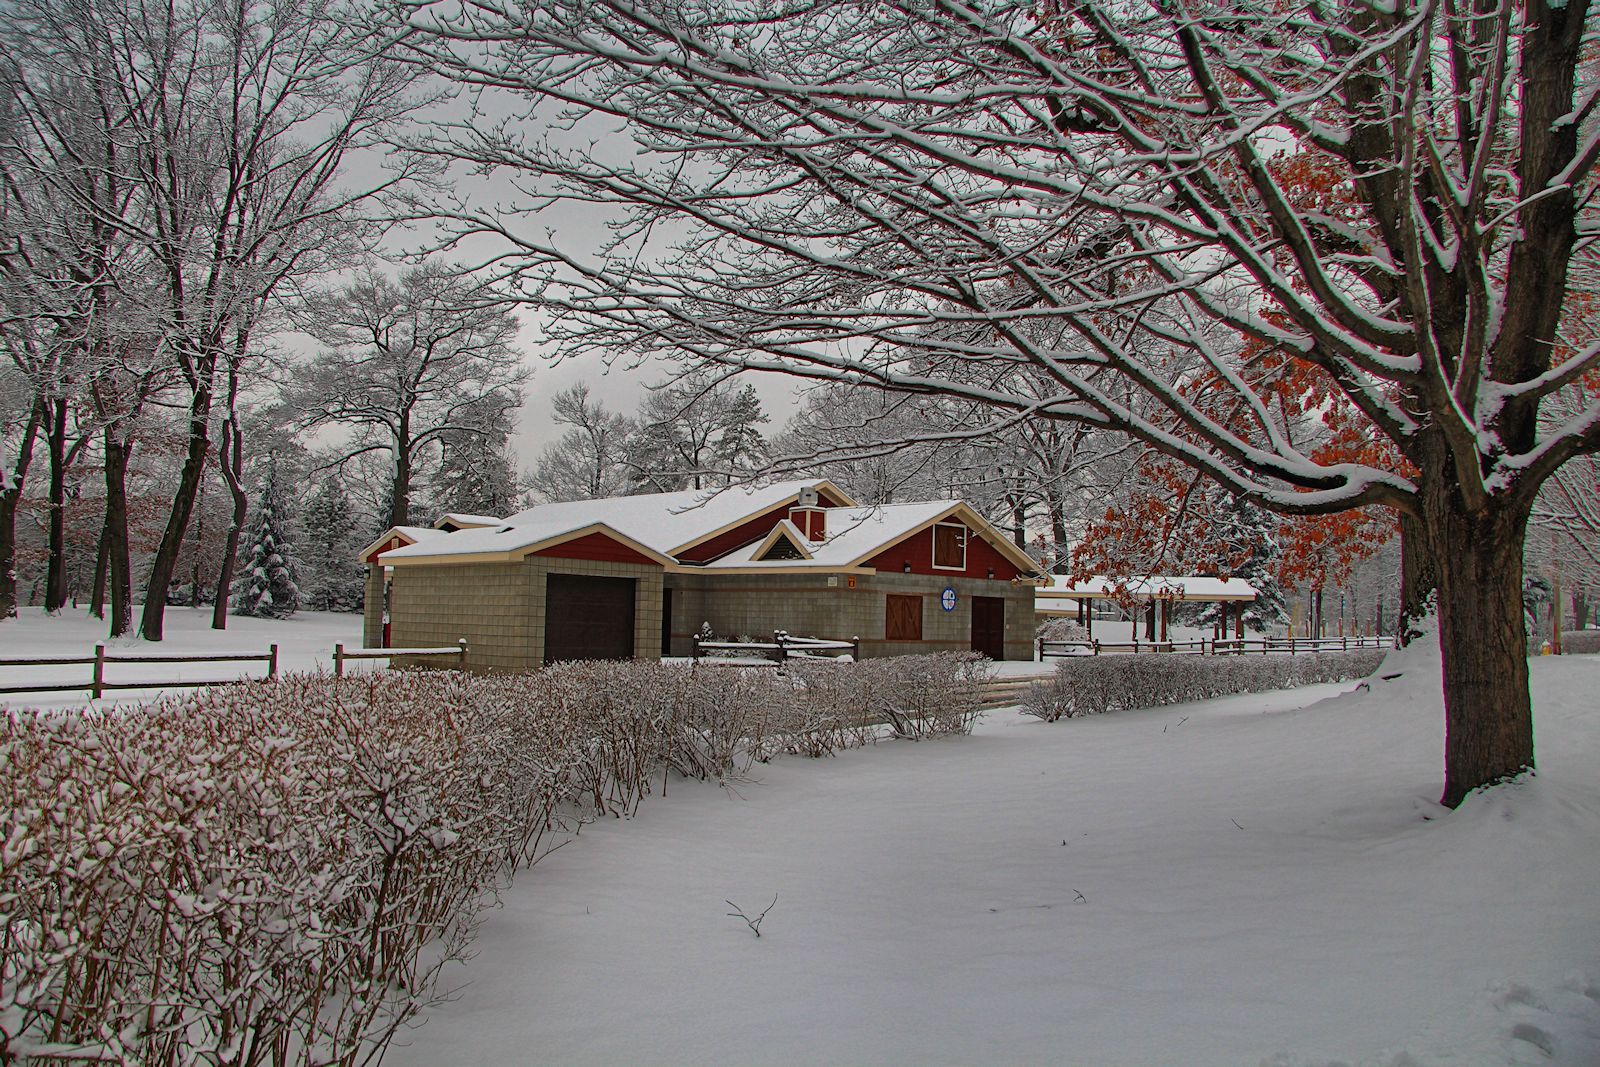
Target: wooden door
902,618
587,617
989,626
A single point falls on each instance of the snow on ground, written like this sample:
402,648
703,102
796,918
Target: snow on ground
305,642
1261,879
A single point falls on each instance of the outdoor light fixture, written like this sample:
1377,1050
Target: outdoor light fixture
906,566
991,572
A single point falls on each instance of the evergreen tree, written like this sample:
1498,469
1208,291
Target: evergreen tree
269,589
331,577
475,475
1250,538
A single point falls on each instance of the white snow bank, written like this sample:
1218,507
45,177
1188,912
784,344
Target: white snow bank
1254,880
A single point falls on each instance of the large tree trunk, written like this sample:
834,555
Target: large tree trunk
166,558
119,564
55,585
1488,712
10,498
1419,578
97,588
1058,531
230,463
400,489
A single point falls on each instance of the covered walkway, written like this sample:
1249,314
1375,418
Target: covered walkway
1064,598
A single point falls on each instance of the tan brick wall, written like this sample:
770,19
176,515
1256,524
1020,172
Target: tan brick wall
486,603
500,608
372,607
756,604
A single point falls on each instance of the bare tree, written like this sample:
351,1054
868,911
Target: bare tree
699,430
587,461
235,122
1155,200
876,445
409,363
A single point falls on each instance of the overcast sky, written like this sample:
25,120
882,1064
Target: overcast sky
577,227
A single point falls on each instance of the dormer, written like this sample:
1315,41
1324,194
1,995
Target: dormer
809,516
785,542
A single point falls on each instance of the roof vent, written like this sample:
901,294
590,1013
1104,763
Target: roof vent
808,497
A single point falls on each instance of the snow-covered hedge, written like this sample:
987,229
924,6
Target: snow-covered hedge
273,873
1578,642
1094,684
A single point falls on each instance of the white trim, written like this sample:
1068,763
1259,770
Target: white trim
933,554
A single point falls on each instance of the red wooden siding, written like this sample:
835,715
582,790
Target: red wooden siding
752,530
917,550
598,547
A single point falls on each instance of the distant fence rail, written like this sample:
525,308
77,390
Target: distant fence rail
98,684
773,653
341,654
1225,646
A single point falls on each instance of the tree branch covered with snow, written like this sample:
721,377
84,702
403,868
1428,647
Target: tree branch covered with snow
1137,217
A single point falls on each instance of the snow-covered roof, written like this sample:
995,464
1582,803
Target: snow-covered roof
665,523
853,536
413,534
1187,587
462,520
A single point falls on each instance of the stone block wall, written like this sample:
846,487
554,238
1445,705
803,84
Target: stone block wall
806,605
372,607
500,609
487,603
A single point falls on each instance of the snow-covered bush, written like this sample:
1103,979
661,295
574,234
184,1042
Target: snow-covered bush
1580,641
1063,629
916,696
252,874
275,872
1091,685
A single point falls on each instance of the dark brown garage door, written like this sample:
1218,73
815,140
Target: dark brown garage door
587,618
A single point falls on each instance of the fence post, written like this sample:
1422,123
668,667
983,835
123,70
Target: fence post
1096,645
461,657
694,652
1041,650
99,669
338,661
272,661
778,638
855,648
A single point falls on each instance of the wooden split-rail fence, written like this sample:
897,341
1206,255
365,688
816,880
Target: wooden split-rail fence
774,653
98,684
1223,646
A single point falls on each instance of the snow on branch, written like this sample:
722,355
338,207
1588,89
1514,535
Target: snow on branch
1111,208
